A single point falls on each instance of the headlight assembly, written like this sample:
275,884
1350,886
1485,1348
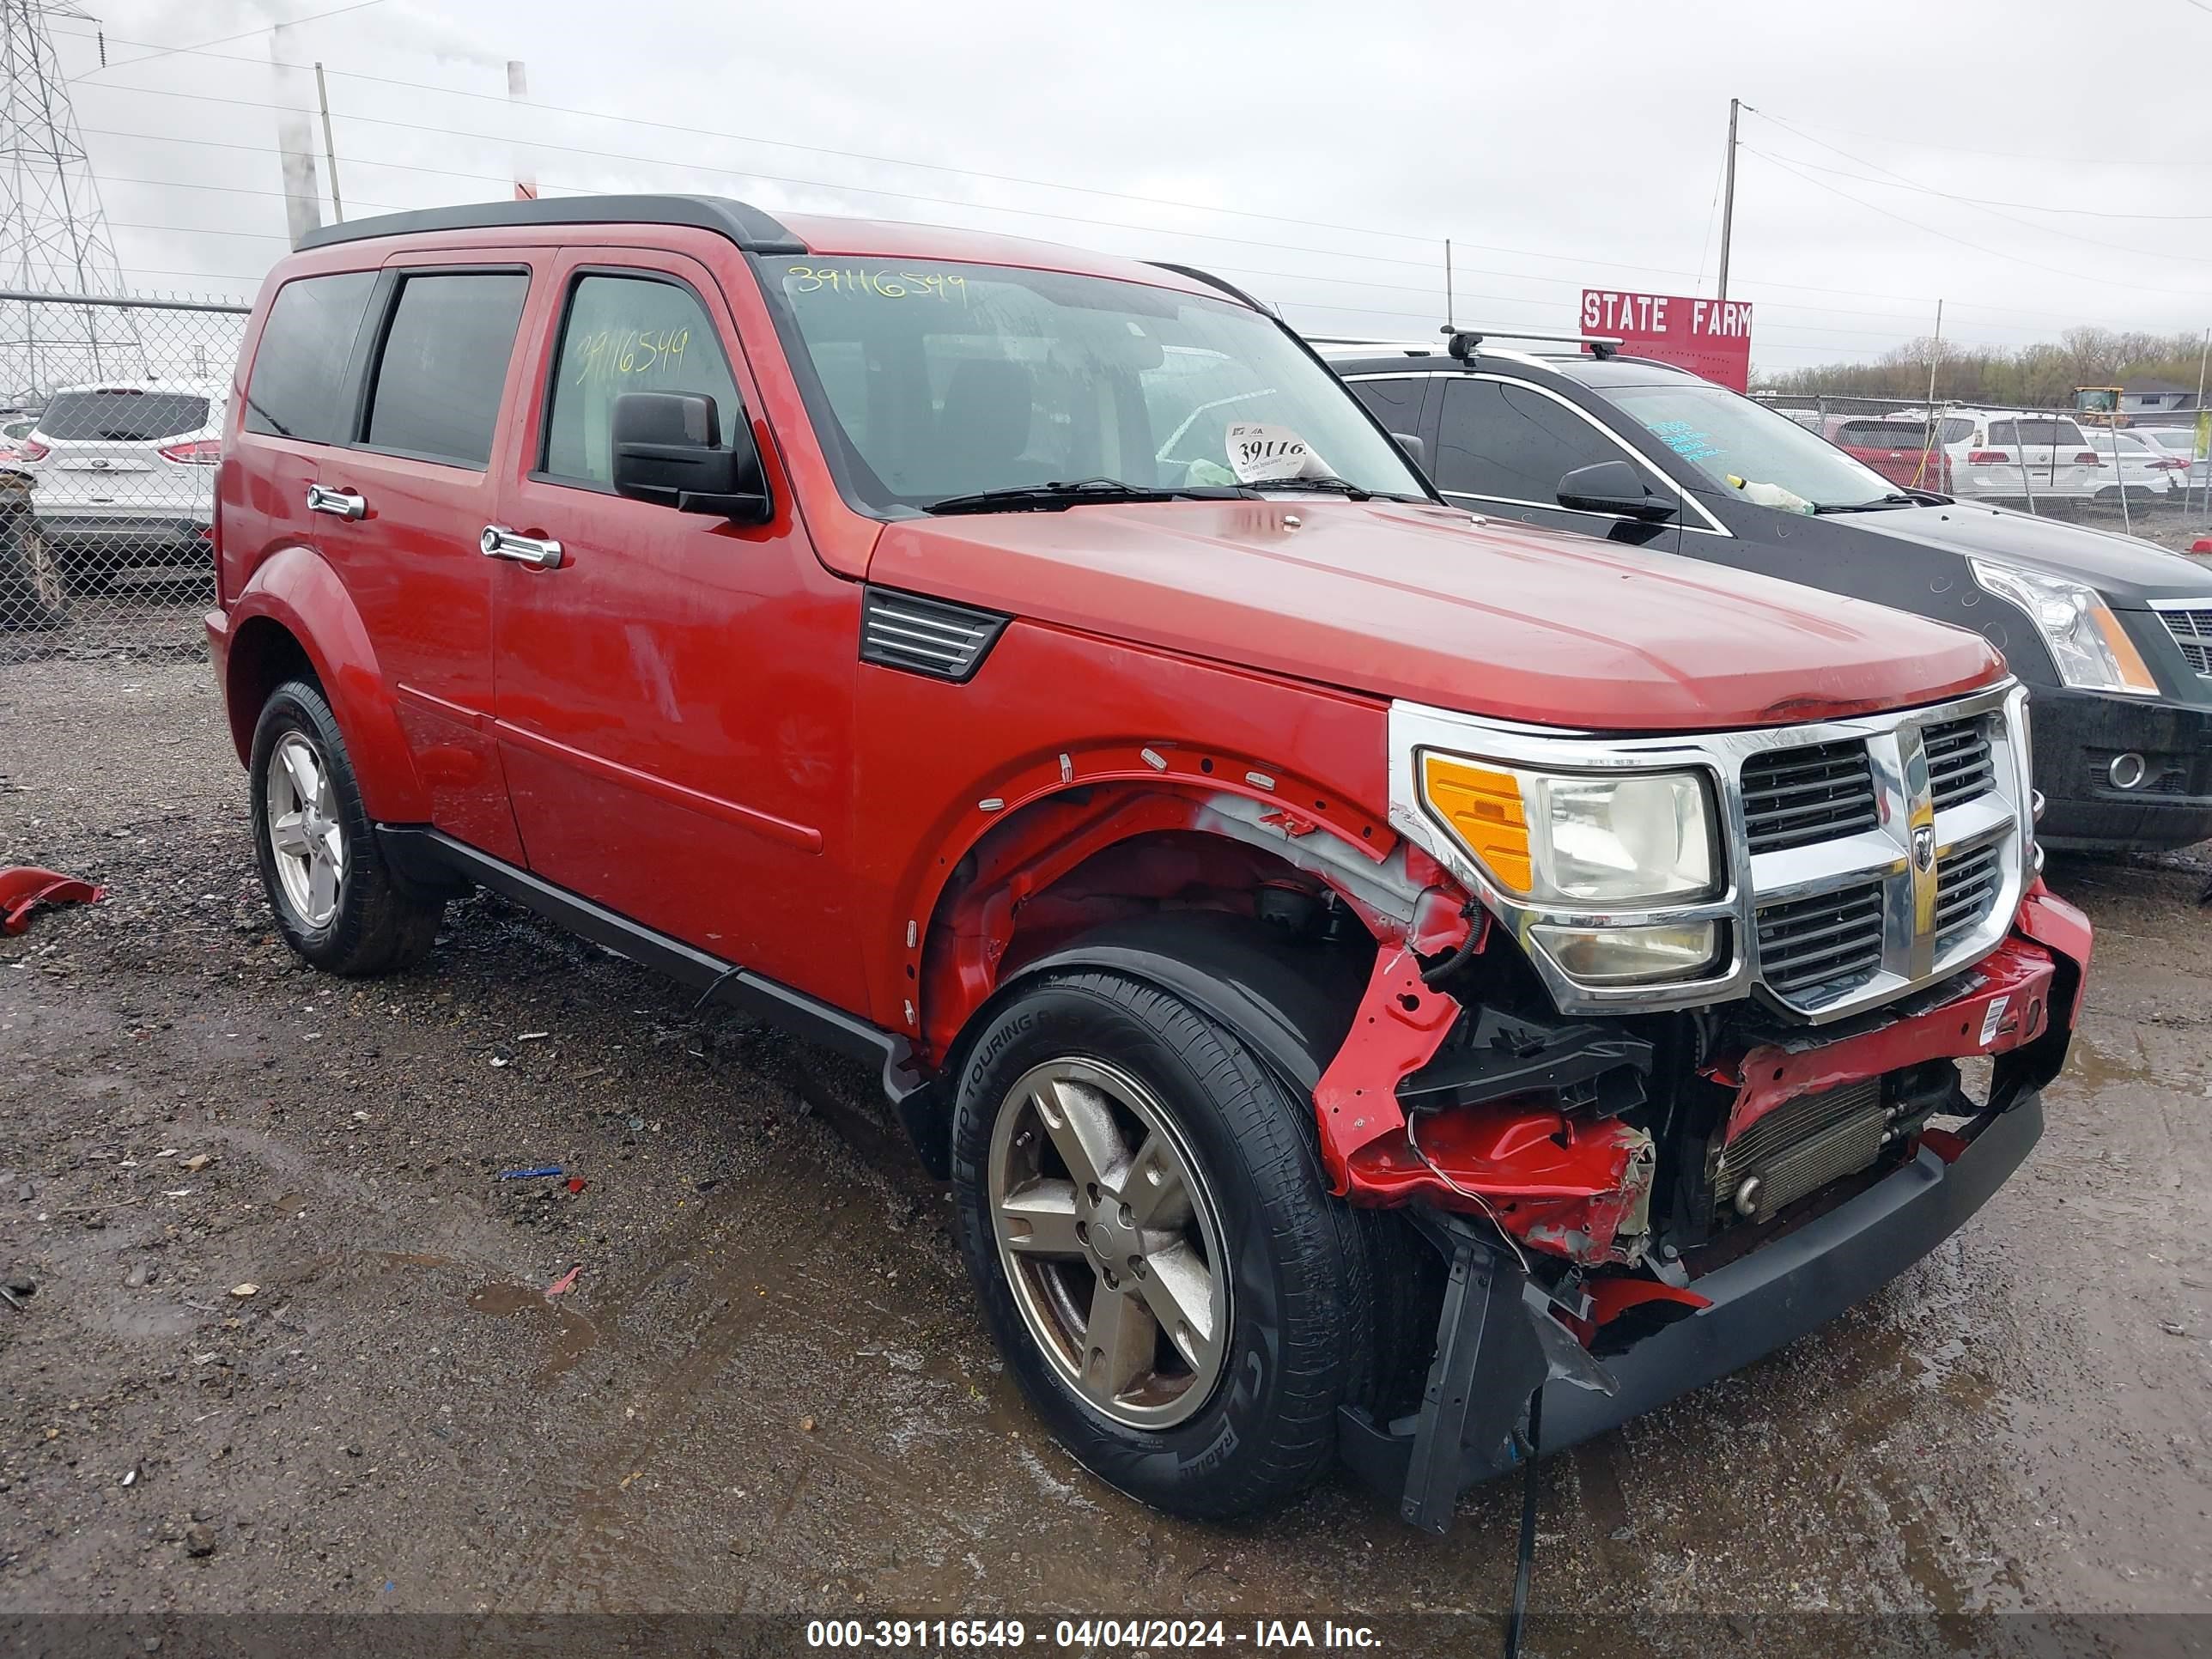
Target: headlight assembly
2092,651
1631,840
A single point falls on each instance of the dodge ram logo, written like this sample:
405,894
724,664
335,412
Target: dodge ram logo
1923,847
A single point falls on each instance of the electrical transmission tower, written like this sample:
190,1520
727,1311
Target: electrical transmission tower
53,232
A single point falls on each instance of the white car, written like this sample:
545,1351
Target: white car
2147,470
2011,455
124,471
2180,443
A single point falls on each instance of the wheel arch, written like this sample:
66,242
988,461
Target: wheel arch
294,614
1170,884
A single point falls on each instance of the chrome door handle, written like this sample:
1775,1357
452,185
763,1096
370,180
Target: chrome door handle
338,503
539,554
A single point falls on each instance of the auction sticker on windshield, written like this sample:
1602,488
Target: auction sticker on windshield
1261,452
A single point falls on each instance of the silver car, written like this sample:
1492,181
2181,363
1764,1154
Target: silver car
124,471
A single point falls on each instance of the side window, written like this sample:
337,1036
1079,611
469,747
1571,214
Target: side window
627,334
1511,442
301,362
1395,402
444,364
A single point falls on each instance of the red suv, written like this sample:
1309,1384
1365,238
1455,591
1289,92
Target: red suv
1363,969
1909,453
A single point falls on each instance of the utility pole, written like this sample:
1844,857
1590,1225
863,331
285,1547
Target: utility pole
1935,356
1448,318
517,96
330,149
1728,192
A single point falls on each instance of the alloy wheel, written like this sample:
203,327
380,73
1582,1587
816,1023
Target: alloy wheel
1111,1242
306,839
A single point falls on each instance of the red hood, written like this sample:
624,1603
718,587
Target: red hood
1418,602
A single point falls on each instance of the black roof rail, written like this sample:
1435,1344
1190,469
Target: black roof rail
1467,341
752,230
1211,281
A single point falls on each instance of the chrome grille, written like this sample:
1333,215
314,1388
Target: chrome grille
926,636
1966,879
1795,796
1958,760
2191,625
1823,942
1799,1147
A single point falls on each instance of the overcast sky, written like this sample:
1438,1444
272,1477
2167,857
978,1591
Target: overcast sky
1317,154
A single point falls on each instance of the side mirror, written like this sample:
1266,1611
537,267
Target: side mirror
1613,487
1416,451
668,448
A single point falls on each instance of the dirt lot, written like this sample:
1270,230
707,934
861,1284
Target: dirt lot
767,1389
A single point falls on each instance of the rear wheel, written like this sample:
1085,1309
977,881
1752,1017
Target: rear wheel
33,594
334,899
1143,1212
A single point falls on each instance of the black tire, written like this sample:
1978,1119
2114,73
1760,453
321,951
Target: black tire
33,594
1300,1327
378,927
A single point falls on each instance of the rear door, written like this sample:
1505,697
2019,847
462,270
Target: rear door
1502,445
401,507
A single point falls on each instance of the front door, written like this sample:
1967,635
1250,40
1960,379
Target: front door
1503,446
674,692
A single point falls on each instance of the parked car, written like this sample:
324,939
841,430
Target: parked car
2147,471
2010,455
1257,883
1905,452
2111,632
124,473
12,434
2180,443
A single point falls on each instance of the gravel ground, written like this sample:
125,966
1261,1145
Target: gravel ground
290,1348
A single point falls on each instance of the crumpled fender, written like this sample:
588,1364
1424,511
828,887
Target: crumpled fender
294,589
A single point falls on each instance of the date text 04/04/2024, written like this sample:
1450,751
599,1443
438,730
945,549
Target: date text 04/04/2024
1086,1633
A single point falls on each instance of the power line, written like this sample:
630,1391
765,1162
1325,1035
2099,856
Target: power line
2003,154
1995,253
202,49
992,178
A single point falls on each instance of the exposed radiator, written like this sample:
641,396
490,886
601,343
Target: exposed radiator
1798,1148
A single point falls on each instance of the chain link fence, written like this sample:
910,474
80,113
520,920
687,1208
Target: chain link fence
111,426
2146,475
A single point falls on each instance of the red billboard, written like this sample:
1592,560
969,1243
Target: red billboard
1711,337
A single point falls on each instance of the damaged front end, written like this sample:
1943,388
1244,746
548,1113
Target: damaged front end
1631,1196
1617,1230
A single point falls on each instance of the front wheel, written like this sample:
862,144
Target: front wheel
1142,1210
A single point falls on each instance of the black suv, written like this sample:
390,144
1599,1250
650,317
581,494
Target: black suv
2114,635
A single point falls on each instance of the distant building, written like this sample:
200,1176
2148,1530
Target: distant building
2144,395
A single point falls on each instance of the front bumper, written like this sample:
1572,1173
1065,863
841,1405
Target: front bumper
1500,1339
2078,737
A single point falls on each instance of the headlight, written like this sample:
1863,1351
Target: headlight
2091,648
1628,839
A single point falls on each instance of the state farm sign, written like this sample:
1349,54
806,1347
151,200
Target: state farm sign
1711,337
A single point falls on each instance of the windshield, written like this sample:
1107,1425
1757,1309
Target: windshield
1723,434
947,380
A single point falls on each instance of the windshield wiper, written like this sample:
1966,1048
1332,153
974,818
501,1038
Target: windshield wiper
1054,497
1879,504
1333,486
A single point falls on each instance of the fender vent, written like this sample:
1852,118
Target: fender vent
926,636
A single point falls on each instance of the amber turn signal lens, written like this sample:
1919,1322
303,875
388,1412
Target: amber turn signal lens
1483,807
2127,661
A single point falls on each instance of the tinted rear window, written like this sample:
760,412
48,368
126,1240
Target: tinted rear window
121,416
444,365
2035,432
300,365
1880,434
